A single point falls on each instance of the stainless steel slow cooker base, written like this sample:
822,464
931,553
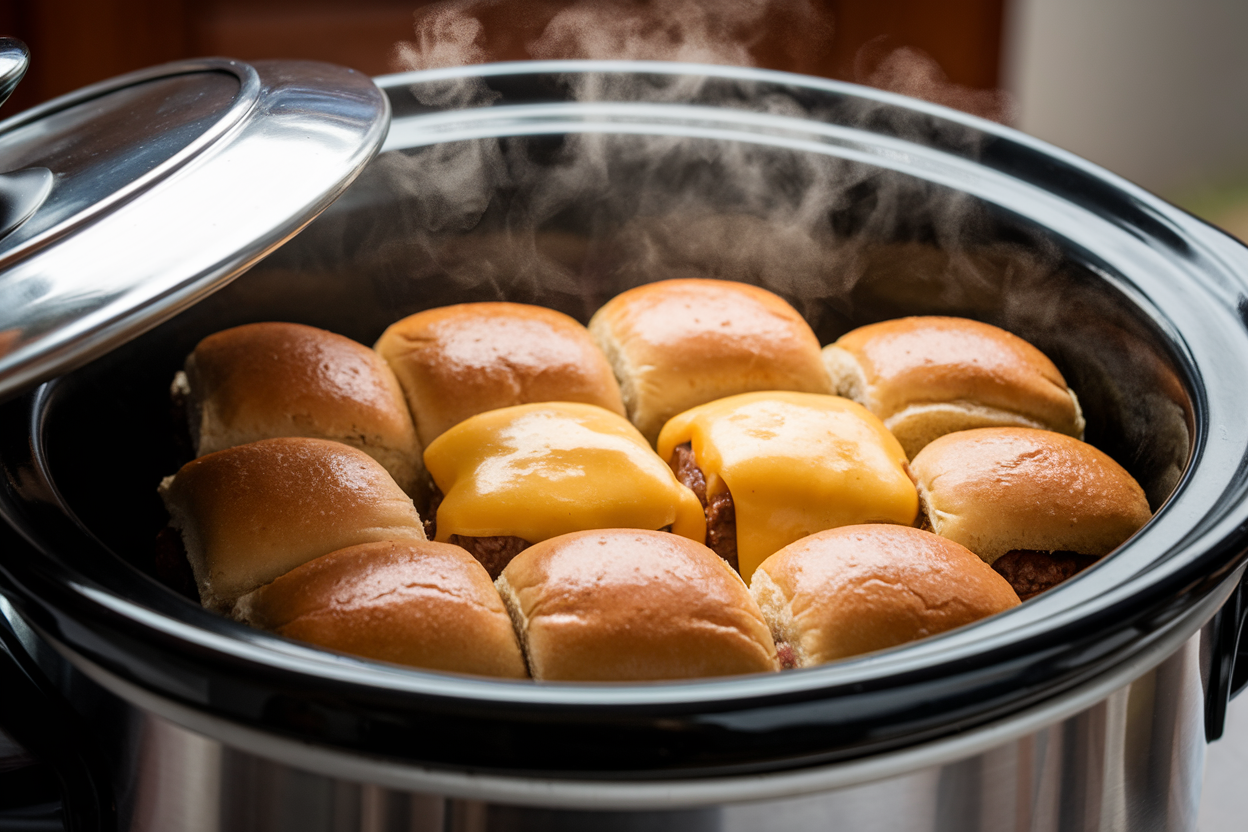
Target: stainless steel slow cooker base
1121,754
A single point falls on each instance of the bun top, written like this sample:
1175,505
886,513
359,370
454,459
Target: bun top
921,360
417,603
856,589
795,464
998,489
251,513
536,471
254,380
458,361
676,344
623,605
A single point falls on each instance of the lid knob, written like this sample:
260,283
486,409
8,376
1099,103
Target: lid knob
14,59
21,192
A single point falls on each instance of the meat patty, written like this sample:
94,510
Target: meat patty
431,512
494,553
721,514
685,466
1031,572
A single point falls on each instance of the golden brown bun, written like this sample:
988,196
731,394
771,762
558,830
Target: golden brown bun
424,604
857,589
458,361
998,489
251,513
677,344
622,605
928,376
262,381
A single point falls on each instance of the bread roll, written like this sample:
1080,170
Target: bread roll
267,380
536,471
928,376
995,490
251,513
856,589
677,344
794,464
620,605
458,361
422,604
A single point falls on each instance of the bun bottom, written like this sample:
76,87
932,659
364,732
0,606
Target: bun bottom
919,425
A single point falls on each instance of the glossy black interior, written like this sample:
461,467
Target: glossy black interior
847,242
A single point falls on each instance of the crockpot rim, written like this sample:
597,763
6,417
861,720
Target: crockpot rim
612,793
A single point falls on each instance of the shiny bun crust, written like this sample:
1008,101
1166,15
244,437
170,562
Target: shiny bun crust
423,604
928,376
622,605
857,589
457,361
251,513
998,489
864,588
267,380
677,344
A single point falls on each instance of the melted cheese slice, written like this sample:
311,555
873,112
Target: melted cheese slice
795,464
537,471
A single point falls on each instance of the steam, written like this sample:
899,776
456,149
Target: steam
445,36
572,219
913,72
679,30
462,32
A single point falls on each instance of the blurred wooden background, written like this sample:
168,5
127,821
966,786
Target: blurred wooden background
77,42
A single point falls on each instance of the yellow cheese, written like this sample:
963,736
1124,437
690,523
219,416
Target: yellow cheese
795,464
536,471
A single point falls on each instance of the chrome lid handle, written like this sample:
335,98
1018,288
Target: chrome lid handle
14,59
23,191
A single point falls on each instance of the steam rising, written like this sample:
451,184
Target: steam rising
682,30
452,33
913,72
570,220
445,36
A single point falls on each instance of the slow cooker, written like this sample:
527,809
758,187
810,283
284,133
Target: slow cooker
561,184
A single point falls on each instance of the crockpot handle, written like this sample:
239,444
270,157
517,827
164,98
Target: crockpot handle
1228,664
38,717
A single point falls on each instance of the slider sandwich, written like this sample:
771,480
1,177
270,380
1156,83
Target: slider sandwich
677,344
928,376
267,380
1036,505
251,513
856,589
457,361
621,605
416,603
509,478
772,468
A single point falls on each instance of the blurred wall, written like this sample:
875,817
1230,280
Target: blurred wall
1155,90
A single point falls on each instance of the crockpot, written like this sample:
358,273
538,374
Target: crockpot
562,184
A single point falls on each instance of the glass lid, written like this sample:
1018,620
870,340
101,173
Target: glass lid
126,201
